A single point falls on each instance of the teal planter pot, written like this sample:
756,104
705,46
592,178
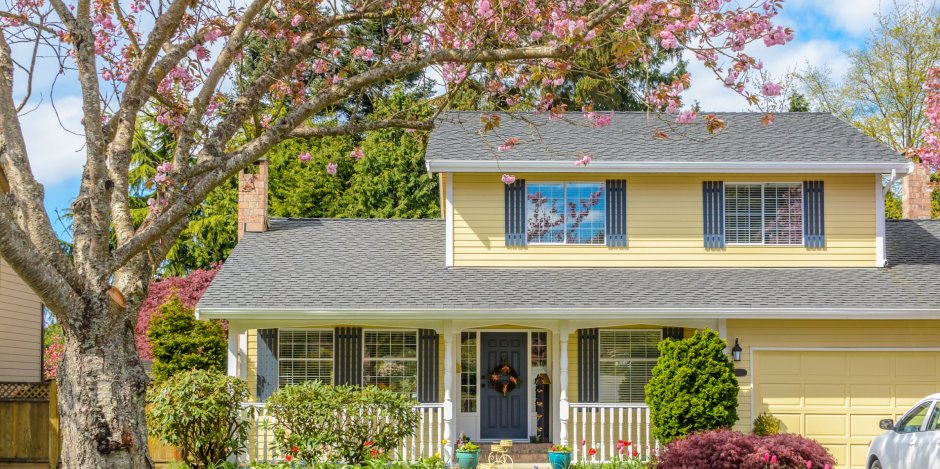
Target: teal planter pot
559,459
469,459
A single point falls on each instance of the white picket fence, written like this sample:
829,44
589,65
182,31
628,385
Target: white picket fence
602,426
427,440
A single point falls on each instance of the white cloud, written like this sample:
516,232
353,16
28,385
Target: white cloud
55,154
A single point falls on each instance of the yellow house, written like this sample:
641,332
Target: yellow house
531,311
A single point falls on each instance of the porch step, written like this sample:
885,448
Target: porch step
524,453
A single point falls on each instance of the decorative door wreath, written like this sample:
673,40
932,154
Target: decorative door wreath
503,378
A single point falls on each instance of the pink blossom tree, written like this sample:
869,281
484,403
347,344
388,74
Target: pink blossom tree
929,152
182,61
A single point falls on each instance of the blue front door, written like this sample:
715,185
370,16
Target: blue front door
504,397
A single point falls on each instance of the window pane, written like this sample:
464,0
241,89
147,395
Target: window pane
743,213
783,214
624,380
914,420
934,422
584,217
545,213
391,360
539,349
627,359
305,355
468,371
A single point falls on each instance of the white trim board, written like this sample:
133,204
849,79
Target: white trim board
438,166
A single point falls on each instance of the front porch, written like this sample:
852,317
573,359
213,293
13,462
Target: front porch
560,381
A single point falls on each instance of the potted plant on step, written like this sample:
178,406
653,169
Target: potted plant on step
559,456
468,454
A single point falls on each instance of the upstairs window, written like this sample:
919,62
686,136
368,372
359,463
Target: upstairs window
560,213
764,213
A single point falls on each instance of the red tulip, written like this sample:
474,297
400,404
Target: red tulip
287,457
592,451
636,453
293,450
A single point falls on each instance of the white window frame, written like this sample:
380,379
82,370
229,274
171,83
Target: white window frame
762,213
644,359
564,204
476,372
280,356
367,359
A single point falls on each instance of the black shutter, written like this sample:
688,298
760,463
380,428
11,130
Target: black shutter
515,214
713,214
267,363
616,213
676,333
428,365
588,375
347,356
814,226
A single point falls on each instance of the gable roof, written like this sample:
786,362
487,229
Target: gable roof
334,266
800,141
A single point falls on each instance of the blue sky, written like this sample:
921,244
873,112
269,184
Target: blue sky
824,31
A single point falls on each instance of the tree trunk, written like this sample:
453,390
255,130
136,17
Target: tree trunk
102,391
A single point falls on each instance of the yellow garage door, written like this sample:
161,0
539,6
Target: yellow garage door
838,397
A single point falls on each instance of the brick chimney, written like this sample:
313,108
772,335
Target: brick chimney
253,198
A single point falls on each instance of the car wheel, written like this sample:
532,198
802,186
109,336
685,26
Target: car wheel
876,464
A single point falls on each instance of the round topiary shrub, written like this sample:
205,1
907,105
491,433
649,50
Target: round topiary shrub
726,449
200,413
693,387
349,424
766,424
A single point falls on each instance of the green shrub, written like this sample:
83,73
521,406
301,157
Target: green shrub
339,423
181,343
766,424
199,413
693,387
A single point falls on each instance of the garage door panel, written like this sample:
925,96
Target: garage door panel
838,397
790,423
784,395
870,365
871,395
825,395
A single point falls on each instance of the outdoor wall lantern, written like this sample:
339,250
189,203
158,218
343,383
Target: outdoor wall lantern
736,351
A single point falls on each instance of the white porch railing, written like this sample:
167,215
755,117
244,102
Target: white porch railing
602,426
426,442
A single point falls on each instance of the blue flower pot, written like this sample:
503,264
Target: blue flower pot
559,460
468,459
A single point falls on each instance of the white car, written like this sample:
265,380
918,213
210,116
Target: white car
911,443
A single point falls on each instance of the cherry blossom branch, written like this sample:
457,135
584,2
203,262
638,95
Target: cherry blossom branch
357,128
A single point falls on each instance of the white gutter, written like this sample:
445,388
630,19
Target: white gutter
264,314
437,166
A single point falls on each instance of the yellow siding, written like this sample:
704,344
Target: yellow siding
20,329
664,225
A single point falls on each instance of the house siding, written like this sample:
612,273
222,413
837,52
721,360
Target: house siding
20,329
664,225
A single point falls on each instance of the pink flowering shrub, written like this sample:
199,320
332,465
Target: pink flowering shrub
726,449
51,356
189,289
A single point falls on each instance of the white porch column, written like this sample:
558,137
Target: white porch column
563,386
449,428
234,333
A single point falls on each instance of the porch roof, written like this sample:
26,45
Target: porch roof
795,142
317,266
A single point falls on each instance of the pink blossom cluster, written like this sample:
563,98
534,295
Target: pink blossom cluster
929,152
357,153
583,161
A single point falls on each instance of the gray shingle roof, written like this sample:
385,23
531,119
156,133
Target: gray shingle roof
332,264
792,138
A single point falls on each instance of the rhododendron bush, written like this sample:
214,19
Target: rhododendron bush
231,81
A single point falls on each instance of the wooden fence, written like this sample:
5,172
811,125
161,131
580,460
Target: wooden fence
29,428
